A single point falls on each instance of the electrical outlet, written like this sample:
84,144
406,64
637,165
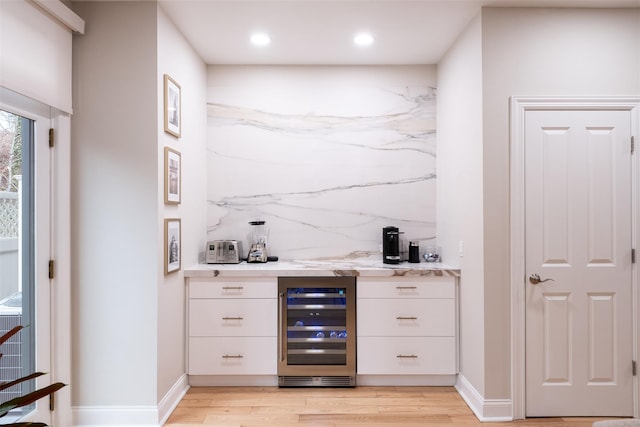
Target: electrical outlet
461,248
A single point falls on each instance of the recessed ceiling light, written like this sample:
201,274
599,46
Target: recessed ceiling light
363,39
260,39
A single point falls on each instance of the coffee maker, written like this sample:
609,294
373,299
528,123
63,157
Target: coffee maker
390,245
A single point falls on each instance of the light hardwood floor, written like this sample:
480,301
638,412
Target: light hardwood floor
337,407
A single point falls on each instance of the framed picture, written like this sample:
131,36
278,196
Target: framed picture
172,106
172,176
172,245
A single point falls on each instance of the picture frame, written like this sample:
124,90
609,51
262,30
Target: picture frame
172,106
172,176
172,245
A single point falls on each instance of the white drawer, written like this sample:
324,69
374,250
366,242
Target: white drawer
403,318
401,356
233,288
233,317
232,356
406,287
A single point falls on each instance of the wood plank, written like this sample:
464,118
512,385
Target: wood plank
338,407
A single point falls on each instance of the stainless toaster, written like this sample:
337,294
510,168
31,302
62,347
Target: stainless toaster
224,252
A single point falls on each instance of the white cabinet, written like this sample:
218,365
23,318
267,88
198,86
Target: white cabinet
232,356
407,326
406,330
406,355
232,326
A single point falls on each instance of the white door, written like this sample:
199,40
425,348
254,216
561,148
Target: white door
30,184
578,235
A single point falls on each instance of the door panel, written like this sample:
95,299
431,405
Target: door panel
602,346
555,186
578,234
557,345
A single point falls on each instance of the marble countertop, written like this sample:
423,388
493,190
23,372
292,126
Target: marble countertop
359,268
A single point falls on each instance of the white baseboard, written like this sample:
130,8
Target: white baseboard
172,398
121,416
131,416
487,410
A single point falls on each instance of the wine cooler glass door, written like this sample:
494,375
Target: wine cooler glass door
317,317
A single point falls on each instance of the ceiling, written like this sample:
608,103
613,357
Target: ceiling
320,32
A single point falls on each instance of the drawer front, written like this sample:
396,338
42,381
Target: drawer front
232,356
403,318
233,288
404,287
233,317
400,356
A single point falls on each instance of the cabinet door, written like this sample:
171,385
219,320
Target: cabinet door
233,288
403,317
407,287
232,356
402,356
233,317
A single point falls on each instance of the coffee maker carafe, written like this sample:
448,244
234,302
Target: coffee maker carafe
390,245
258,248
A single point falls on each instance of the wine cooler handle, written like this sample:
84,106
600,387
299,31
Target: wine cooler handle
280,331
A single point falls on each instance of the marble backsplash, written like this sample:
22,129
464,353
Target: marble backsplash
326,167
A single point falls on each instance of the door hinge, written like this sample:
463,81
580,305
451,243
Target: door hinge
633,144
51,268
51,138
633,256
634,368
52,402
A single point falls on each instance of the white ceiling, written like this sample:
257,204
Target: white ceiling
320,32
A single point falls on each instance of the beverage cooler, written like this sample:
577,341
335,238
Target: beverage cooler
317,331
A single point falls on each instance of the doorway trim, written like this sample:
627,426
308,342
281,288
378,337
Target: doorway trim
518,108
59,308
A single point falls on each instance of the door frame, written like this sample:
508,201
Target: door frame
58,326
518,108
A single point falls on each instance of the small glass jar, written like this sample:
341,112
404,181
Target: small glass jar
432,254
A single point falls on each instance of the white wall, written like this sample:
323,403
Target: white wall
507,52
537,52
115,192
460,185
178,59
129,325
328,156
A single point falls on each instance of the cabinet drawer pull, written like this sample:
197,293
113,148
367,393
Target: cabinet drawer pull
232,288
406,318
403,288
407,356
233,318
232,356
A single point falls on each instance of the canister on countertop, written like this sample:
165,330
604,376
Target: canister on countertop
414,251
432,254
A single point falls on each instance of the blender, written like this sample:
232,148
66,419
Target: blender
258,248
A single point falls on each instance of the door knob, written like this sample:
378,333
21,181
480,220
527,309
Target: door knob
535,279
